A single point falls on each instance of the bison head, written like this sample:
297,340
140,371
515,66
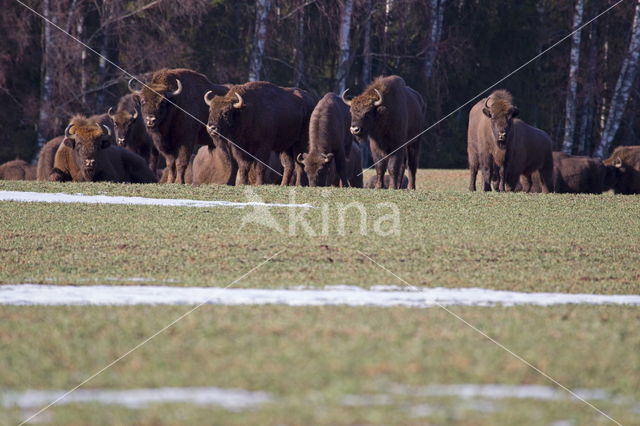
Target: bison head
224,113
501,113
122,122
364,112
87,138
153,100
316,166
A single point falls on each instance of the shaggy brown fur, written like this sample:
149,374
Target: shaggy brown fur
389,126
46,158
578,175
210,166
65,167
175,133
17,170
624,169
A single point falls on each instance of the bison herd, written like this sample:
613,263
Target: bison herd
259,133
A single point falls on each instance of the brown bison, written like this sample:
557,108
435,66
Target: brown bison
578,175
500,141
389,114
255,118
210,165
130,131
46,158
371,182
17,170
329,141
354,169
88,154
172,110
624,169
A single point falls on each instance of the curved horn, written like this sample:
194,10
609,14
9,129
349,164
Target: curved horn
131,88
208,100
617,163
486,102
240,101
344,99
67,131
299,158
108,130
110,112
178,90
379,101
135,113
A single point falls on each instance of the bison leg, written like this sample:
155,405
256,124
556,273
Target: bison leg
396,166
153,159
473,174
171,168
243,172
413,155
341,167
486,178
286,159
182,162
546,179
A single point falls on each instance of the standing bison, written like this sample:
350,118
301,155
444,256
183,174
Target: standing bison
329,141
255,118
88,154
498,141
174,114
130,131
624,165
389,114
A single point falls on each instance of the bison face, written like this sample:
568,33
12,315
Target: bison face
316,166
122,123
224,114
365,110
501,123
87,141
154,101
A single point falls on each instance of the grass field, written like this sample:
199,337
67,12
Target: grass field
313,359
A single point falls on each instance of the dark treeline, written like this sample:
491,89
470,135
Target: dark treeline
449,50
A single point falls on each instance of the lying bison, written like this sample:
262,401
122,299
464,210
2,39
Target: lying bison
624,163
211,166
17,170
46,158
329,141
174,114
389,114
500,141
87,154
255,118
130,131
578,175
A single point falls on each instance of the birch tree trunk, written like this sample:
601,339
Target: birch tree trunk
572,89
585,128
345,46
622,91
47,72
259,39
431,48
366,45
298,54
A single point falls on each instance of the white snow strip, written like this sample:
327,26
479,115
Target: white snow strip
43,197
230,399
33,294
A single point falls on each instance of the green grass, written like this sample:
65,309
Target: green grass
448,237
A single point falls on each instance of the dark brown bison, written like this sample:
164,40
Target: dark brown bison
500,141
623,168
172,110
389,114
88,154
371,182
578,174
354,169
46,158
17,170
258,118
329,141
130,130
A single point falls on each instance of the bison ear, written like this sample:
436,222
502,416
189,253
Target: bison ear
69,142
486,111
327,158
515,112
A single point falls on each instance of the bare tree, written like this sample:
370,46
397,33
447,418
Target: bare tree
572,90
588,93
345,46
47,73
433,39
366,45
259,39
621,93
298,51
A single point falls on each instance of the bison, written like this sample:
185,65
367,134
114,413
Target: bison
498,141
46,158
130,130
329,141
389,114
371,182
17,170
210,165
255,118
172,110
88,154
623,168
578,174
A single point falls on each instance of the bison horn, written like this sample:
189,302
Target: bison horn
110,112
67,131
240,101
131,88
379,101
135,114
108,130
207,99
300,158
617,163
344,99
178,90
486,102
